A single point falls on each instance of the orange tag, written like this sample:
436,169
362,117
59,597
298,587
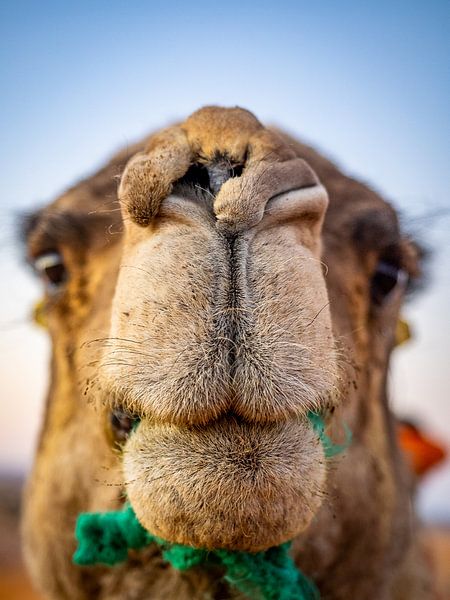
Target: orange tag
423,453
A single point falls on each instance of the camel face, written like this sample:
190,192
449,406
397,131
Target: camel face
221,308
195,327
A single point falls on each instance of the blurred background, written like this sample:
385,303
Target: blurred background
366,83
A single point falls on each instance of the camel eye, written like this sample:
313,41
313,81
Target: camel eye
122,424
50,266
385,279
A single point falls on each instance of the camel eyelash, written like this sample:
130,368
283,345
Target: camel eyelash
51,268
387,277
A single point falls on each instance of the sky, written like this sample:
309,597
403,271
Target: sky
365,82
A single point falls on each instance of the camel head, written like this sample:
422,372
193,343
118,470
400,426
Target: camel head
198,319
220,340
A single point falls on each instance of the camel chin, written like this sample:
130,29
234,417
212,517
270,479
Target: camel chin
226,485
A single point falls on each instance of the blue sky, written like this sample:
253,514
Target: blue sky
367,82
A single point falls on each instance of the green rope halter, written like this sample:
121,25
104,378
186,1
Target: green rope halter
270,575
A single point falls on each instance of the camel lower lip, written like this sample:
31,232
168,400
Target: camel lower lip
225,485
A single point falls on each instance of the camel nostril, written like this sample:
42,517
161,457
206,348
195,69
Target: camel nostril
236,170
122,424
212,176
196,176
220,171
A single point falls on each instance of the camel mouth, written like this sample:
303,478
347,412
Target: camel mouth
229,484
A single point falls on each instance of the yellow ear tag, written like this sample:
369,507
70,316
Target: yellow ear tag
39,314
402,332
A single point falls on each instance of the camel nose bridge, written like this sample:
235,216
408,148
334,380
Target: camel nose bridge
238,189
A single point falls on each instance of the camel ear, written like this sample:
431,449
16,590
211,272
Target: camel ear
414,258
149,176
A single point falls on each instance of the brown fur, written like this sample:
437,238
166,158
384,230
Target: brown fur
213,318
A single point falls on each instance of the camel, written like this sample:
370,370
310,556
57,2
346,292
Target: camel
206,290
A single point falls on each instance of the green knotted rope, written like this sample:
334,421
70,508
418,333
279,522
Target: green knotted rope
270,575
329,447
